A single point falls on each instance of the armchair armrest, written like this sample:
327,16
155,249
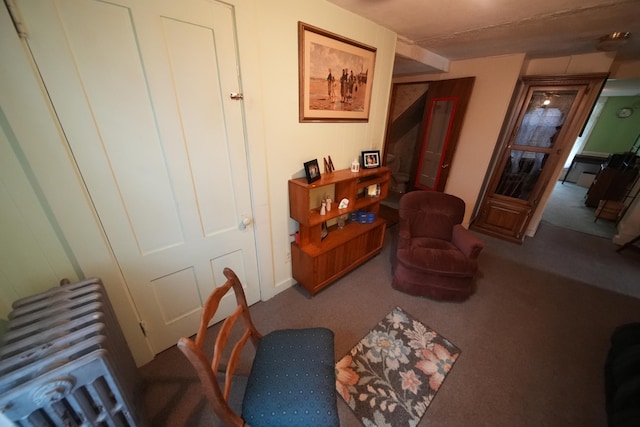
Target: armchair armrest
468,243
404,239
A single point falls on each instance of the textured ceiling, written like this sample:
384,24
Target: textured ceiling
464,29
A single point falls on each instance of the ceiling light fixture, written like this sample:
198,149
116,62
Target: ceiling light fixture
613,41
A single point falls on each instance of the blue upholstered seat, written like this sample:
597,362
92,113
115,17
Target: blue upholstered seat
292,381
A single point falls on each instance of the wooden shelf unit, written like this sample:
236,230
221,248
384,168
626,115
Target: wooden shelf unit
318,262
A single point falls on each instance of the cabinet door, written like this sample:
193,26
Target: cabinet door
546,119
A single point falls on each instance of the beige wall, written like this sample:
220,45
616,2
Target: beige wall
52,223
564,65
288,143
496,78
277,145
625,70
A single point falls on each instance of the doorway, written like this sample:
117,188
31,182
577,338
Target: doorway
567,207
547,113
423,127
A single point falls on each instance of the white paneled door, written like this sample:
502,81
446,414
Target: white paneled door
141,90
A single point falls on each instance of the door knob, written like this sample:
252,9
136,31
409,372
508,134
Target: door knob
244,221
236,96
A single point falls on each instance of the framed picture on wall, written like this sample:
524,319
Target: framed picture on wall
371,159
335,76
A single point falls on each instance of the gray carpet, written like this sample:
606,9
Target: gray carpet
533,337
566,209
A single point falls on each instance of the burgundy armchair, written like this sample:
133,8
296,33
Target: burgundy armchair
434,255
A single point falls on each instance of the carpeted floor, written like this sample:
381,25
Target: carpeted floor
566,209
391,376
533,337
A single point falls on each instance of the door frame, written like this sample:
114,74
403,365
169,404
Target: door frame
459,89
594,84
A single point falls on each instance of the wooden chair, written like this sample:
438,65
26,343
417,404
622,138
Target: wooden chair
292,379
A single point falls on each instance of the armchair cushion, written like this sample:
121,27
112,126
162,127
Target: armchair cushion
436,256
305,355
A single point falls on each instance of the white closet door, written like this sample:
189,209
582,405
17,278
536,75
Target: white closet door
141,89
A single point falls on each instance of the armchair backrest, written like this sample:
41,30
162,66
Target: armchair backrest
430,214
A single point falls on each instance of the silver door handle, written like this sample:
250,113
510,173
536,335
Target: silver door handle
237,96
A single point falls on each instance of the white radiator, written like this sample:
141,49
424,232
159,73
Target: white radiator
64,362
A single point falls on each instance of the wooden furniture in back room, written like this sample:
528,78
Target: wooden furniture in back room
613,179
318,261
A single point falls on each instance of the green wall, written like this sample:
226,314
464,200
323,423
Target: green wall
612,134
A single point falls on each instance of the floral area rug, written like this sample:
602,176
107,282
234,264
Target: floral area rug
391,376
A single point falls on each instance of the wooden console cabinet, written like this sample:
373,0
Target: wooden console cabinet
317,262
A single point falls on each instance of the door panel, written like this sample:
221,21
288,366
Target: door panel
445,107
424,123
549,113
436,142
158,142
506,218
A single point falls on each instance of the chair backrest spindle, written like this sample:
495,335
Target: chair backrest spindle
207,371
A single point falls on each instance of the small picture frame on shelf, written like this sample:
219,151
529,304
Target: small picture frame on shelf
371,159
312,170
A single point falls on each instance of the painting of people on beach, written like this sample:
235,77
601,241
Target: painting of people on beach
336,75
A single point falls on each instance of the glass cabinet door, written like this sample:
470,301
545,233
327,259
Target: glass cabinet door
534,141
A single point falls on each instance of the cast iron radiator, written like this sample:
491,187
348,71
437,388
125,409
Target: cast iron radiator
64,361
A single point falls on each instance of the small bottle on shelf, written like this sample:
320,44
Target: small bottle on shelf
355,165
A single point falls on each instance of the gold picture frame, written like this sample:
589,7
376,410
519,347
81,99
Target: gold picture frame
335,76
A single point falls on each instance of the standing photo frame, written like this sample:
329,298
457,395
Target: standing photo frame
371,159
312,170
335,76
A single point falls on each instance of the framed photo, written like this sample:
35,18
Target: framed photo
335,76
312,170
371,159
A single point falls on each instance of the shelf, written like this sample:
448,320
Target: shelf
364,202
317,262
337,237
346,186
316,267
362,183
339,176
